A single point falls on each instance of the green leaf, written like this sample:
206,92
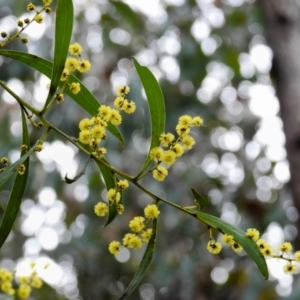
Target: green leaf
63,33
85,98
247,243
17,192
201,201
80,173
141,272
110,180
156,105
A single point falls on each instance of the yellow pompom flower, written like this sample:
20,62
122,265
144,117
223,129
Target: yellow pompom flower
65,74
6,275
60,98
127,238
39,19
4,160
135,242
75,87
121,90
101,209
228,239
286,247
159,173
253,234
113,196
98,121
94,142
85,124
30,7
197,121
24,291
129,107
115,117
24,147
84,66
39,148
100,152
23,279
36,282
297,256
114,247
84,136
290,268
182,130
21,169
262,245
188,142
6,286
75,49
137,224
105,112
177,149
236,247
168,157
166,138
146,235
151,211
119,102
123,184
214,247
185,121
120,208
71,63
98,132
267,251
47,2
156,153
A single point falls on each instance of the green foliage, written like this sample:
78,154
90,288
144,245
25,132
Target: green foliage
248,244
144,265
110,174
156,107
63,33
17,192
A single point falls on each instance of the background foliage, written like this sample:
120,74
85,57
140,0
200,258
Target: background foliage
205,55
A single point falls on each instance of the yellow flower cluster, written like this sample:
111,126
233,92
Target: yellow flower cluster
113,197
22,24
140,233
25,284
92,131
265,248
175,147
72,64
121,103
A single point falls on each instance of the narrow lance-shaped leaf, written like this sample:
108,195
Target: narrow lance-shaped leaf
239,235
85,98
156,107
17,192
201,201
63,33
139,275
110,182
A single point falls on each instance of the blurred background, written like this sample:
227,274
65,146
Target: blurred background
220,59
